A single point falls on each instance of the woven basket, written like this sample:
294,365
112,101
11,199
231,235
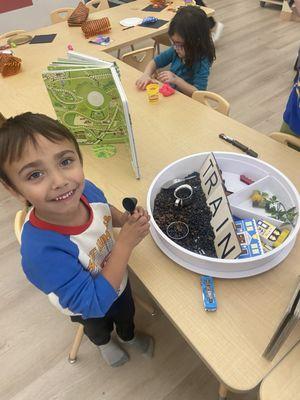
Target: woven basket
9,65
94,27
79,15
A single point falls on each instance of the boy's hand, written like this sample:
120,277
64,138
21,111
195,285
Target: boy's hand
143,81
126,214
135,228
167,77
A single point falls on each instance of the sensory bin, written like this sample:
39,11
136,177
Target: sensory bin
194,248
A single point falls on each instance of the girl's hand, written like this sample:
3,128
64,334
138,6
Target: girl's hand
135,228
167,77
143,81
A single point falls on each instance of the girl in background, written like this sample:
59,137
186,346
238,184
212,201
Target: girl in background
216,27
191,54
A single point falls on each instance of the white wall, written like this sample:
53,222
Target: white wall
32,17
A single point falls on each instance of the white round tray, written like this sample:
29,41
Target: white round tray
232,165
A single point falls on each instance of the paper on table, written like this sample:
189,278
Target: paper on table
131,21
43,38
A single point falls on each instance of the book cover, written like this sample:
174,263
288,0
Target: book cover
90,101
247,233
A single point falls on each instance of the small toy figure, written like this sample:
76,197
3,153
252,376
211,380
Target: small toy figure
245,179
258,199
208,293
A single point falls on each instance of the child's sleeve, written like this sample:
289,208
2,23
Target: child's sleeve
93,193
201,73
165,58
51,264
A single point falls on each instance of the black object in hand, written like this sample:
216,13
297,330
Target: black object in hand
129,203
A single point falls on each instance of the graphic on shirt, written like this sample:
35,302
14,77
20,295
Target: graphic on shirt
99,255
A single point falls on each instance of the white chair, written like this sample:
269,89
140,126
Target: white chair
72,358
287,139
139,58
212,100
61,14
97,5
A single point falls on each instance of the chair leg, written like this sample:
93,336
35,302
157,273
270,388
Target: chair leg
151,310
132,47
223,391
119,54
76,344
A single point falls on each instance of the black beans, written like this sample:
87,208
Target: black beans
196,215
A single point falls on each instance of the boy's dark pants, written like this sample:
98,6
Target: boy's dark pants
121,313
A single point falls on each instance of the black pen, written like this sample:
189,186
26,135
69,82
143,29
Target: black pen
241,146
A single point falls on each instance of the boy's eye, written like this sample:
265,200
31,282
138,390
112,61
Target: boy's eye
35,175
66,162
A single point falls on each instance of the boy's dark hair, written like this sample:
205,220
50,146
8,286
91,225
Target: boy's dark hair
191,23
16,131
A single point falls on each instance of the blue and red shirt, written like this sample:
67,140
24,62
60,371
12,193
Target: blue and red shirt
65,262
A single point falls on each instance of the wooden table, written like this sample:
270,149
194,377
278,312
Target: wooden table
230,341
283,382
119,38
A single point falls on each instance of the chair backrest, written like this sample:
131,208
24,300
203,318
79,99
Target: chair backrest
212,100
285,138
19,222
7,35
61,14
97,5
139,58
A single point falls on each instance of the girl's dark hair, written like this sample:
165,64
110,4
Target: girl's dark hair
191,23
17,131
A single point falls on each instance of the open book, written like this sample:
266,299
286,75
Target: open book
89,99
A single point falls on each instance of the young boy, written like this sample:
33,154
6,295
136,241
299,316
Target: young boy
67,249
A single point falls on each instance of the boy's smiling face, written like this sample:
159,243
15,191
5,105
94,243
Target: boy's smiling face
50,176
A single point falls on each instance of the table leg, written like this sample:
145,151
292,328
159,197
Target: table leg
222,392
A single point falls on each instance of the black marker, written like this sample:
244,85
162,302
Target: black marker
241,146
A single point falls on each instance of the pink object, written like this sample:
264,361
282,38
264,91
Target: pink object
166,90
246,180
70,47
